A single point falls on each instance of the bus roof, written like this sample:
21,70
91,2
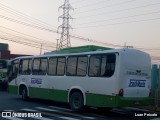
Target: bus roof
81,49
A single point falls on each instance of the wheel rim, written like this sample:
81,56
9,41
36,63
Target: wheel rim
76,102
23,93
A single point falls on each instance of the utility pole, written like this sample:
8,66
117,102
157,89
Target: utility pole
41,49
57,45
64,41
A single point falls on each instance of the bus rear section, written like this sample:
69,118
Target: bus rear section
135,83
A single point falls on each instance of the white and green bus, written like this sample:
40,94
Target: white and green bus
103,78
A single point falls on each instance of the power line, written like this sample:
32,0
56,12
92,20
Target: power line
150,49
46,29
32,45
105,7
23,16
95,41
144,20
23,40
102,13
74,36
39,39
23,43
20,39
78,1
27,24
49,30
120,18
37,27
99,2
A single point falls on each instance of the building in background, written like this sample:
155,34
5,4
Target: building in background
5,53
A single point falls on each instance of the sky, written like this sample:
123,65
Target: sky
109,23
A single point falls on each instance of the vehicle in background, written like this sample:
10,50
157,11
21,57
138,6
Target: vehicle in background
3,73
106,78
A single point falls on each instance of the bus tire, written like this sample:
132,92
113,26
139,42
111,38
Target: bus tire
76,101
24,93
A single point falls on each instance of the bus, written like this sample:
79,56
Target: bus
3,73
103,78
3,68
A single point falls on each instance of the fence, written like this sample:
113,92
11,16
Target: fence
155,87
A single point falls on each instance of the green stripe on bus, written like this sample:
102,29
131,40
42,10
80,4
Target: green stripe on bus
95,100
122,101
13,89
98,100
51,94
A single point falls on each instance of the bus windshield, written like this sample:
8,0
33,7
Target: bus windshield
3,68
3,64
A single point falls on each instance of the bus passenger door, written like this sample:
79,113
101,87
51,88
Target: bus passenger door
13,71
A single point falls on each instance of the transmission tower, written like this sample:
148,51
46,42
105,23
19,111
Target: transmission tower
64,41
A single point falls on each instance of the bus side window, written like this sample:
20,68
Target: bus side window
36,66
39,66
71,66
94,66
25,67
29,66
82,65
56,66
110,65
20,67
102,65
43,66
77,66
52,66
15,68
61,66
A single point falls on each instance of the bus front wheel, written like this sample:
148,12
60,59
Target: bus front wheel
76,101
24,93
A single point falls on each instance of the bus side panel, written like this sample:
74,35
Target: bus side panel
98,100
125,102
13,89
50,94
60,95
39,93
45,89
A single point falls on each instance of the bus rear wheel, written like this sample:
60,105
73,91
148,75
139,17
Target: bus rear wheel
24,93
76,101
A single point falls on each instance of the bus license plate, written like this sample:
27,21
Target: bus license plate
137,83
